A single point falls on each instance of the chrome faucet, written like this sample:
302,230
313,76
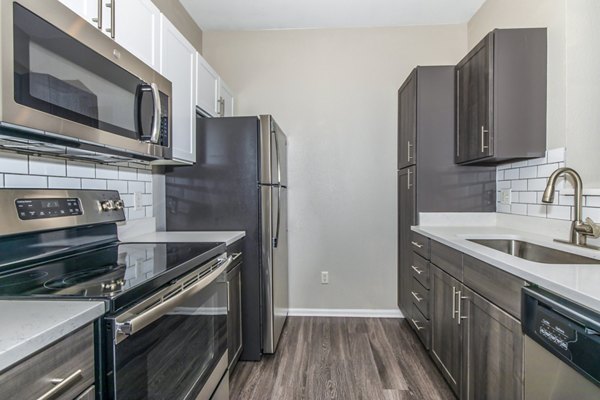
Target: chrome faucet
579,230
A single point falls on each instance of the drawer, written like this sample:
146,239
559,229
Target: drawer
499,287
419,244
420,297
419,269
447,259
70,359
422,326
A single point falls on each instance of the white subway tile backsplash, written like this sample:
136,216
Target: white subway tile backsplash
98,184
144,175
527,191
520,185
47,166
77,169
149,211
127,174
528,172
137,214
25,181
536,210
107,172
64,183
119,186
134,187
512,173
149,187
13,163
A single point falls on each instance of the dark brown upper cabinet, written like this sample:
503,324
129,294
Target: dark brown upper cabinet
501,98
407,121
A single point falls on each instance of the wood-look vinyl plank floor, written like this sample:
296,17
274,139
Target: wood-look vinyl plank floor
321,358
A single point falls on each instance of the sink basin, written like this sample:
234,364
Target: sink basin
533,252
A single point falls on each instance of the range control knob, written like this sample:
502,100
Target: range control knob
107,205
119,204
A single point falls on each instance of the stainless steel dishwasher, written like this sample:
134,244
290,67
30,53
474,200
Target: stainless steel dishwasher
562,348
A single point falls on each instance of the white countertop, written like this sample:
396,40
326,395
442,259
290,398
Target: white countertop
228,237
27,326
579,283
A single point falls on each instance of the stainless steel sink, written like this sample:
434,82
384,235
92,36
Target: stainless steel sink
533,252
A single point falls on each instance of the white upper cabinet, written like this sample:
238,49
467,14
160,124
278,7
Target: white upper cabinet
87,9
227,100
207,87
177,64
136,29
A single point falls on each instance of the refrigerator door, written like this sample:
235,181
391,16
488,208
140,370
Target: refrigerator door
273,153
275,264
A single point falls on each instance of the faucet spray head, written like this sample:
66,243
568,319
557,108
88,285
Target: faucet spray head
548,196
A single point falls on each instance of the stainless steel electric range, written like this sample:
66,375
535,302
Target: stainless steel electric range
164,335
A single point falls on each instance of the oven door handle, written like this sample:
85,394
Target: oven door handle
131,326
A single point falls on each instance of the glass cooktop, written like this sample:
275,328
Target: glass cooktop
122,273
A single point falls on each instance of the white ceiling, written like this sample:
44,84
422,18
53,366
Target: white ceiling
298,14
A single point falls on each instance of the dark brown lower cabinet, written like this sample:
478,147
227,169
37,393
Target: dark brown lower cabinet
493,349
477,346
447,328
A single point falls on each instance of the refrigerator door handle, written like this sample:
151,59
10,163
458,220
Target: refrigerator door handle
278,159
276,239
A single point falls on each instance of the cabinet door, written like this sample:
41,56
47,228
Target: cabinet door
136,29
234,315
494,351
407,122
207,87
87,9
447,332
177,58
406,218
227,100
474,136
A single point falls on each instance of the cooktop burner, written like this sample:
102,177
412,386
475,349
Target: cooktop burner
22,278
121,273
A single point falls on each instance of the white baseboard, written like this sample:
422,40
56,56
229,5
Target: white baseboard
361,313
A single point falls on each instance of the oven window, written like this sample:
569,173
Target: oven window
56,74
173,357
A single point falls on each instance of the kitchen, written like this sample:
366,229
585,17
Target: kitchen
339,82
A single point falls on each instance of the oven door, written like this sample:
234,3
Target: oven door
62,75
174,344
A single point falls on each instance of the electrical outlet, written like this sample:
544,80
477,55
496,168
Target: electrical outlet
324,277
505,196
137,201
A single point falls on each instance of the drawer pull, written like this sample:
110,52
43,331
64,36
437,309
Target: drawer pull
236,256
417,270
417,325
416,296
62,385
417,244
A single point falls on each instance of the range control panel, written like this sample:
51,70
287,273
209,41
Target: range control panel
48,208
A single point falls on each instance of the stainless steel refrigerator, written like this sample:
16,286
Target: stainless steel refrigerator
239,182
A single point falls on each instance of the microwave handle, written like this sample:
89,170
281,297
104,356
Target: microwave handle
155,135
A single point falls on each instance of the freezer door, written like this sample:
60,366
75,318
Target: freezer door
275,264
273,153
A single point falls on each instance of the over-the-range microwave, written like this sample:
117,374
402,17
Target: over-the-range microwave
71,91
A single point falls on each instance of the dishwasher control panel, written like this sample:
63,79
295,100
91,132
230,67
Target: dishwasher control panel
567,330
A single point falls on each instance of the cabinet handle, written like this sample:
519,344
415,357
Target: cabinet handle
417,270
416,296
457,113
417,325
236,255
61,385
484,147
408,184
408,156
112,29
459,312
453,302
417,244
228,297
98,19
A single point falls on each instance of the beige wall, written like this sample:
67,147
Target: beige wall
334,94
178,15
573,70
